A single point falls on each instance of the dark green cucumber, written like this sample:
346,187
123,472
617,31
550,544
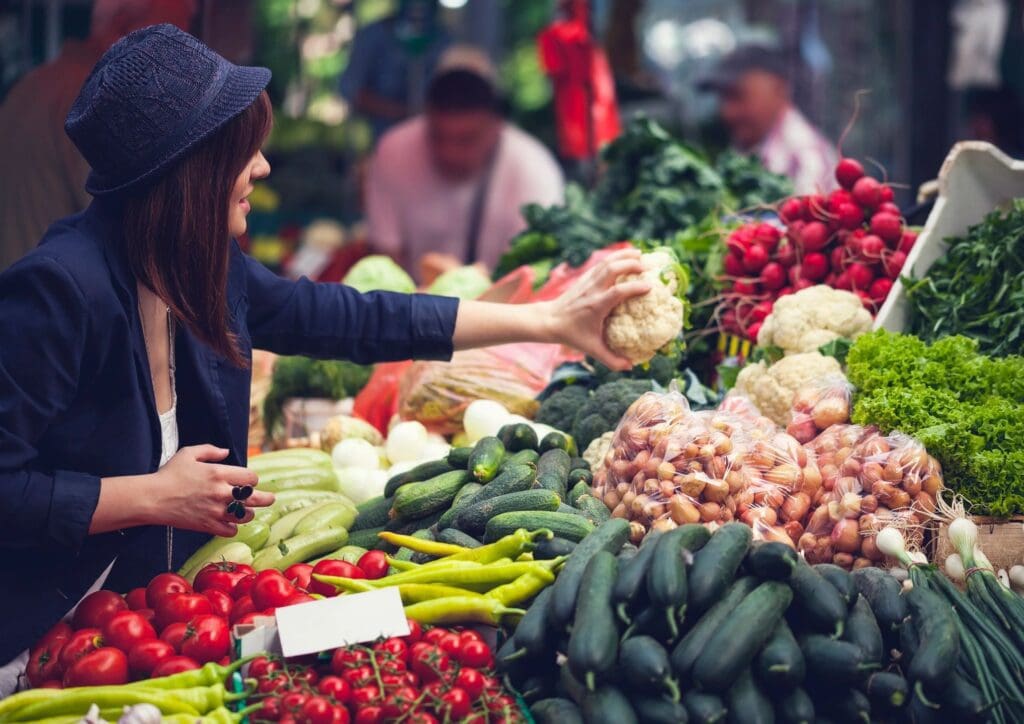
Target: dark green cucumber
408,526
841,580
474,517
644,665
466,495
704,708
780,664
532,631
847,706
418,474
593,509
920,712
714,567
485,459
557,441
910,641
964,700
653,622
732,648
510,663
694,643
518,436
887,691
556,711
553,548
838,662
371,513
935,659
579,464
607,705
563,508
511,479
523,457
795,707
771,561
365,538
818,605
747,704
883,594
577,490
553,471
594,642
630,586
417,500
609,536
565,525
658,710
579,475
458,538
862,629
666,573
458,457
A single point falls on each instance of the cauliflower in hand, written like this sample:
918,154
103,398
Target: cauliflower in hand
805,320
772,389
639,327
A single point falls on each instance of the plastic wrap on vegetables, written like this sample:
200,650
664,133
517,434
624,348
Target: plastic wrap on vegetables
818,406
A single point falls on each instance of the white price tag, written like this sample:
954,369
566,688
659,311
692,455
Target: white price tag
307,628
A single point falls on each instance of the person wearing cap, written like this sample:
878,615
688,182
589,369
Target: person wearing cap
756,105
126,336
451,182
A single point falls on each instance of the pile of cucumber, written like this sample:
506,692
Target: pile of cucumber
700,627
482,493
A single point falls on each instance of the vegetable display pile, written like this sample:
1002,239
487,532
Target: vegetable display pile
967,409
305,377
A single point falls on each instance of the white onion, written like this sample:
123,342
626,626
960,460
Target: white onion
963,535
1003,577
355,453
483,418
890,541
981,560
955,567
1017,577
406,442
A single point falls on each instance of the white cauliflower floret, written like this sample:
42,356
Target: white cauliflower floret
639,327
342,427
772,388
596,451
805,320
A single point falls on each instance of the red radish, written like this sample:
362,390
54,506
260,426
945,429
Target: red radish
880,289
738,241
802,284
853,244
837,198
816,207
752,330
848,172
867,192
893,264
729,321
733,265
866,300
767,236
849,216
784,291
815,267
907,241
871,247
755,258
830,280
744,288
773,276
888,207
761,311
843,281
814,237
885,193
786,254
837,257
792,209
796,273
860,276
887,227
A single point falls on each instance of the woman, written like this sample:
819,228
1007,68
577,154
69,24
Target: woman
127,334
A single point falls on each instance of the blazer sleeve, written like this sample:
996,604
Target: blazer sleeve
43,324
336,321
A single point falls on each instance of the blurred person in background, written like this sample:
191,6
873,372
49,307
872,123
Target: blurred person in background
43,174
446,187
391,63
994,115
756,106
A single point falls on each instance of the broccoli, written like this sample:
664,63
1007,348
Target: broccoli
559,410
605,407
305,377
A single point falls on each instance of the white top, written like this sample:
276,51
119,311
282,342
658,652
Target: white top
796,149
169,419
413,210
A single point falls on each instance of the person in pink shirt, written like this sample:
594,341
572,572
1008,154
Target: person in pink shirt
755,103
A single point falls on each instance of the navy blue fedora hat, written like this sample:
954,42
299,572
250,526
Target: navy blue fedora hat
157,93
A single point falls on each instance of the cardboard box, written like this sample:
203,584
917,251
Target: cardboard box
1001,539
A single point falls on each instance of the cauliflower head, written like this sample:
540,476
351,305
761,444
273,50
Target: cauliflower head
639,327
805,320
597,450
772,388
343,427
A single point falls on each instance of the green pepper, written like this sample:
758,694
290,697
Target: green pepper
464,609
523,588
511,546
221,715
24,698
79,699
208,675
421,545
418,592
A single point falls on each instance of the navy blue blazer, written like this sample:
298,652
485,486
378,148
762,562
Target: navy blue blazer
76,400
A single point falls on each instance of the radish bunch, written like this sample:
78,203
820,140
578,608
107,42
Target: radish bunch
853,238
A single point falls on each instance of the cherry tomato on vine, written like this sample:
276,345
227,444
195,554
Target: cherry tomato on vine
318,710
451,644
395,647
415,631
374,564
364,695
293,701
336,688
471,681
476,654
369,715
434,635
400,702
455,704
348,658
360,676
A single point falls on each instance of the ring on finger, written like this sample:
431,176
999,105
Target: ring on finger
236,509
241,492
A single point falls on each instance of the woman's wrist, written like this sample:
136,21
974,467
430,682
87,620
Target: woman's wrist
126,502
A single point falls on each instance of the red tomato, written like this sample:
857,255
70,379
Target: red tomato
471,681
393,681
341,715
317,710
333,567
415,631
308,676
182,608
455,704
374,564
221,602
276,681
392,666
223,575
240,607
243,587
298,575
476,654
51,684
359,677
82,642
269,711
173,635
103,667
44,659
148,614
501,705
394,647
434,635
469,635
298,597
96,609
250,618
145,656
293,701
400,701
347,658
174,665
451,644
421,717
335,687
263,666
206,639
430,663
287,719
136,599
369,715
271,589
163,586
364,695
127,628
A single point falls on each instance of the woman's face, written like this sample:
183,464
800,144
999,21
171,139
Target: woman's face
256,169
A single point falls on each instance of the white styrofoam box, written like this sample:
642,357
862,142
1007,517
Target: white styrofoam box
976,178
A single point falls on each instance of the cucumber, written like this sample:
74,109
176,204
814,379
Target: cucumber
464,497
417,500
609,536
704,708
523,457
485,459
563,525
841,580
935,659
653,622
732,648
594,642
365,538
580,475
511,479
771,561
714,567
593,509
964,700
659,710
666,573
795,707
630,585
300,548
532,631
919,712
693,644
418,474
838,662
909,641
408,526
644,664
747,705
458,538
458,457
553,548
887,691
556,711
883,594
569,685
474,517
518,436
818,605
553,471
577,490
780,664
568,509
862,629
578,463
371,513
606,705
329,515
847,706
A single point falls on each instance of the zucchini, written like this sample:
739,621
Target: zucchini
366,538
795,707
458,457
523,457
840,578
771,561
593,509
964,700
284,527
935,659
467,493
818,605
644,664
556,711
458,538
659,710
309,478
329,515
289,500
553,548
371,513
704,708
485,459
473,518
609,536
630,584
606,705
532,631
666,573
887,691
838,662
715,565
580,475
417,500
290,459
300,548
780,664
418,474
577,490
518,436
553,471
564,525
747,705
693,644
594,642
732,648
862,630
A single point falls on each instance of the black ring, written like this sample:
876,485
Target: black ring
241,492
236,509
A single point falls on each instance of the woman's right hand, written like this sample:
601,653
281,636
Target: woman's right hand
192,492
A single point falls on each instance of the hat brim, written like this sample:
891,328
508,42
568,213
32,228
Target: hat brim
240,90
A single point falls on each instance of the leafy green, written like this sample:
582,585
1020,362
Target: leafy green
838,348
305,377
965,407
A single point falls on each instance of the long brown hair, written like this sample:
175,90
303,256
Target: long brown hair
176,230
